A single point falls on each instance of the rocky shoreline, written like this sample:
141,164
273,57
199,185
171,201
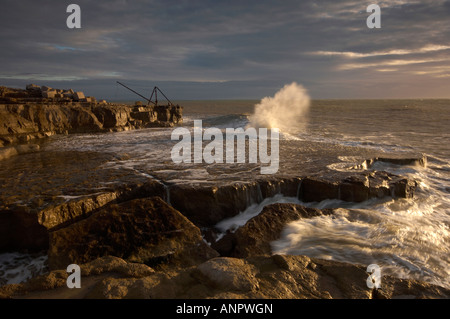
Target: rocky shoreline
132,244
31,114
148,238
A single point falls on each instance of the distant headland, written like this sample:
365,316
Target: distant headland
42,111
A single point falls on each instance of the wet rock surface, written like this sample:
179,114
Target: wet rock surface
356,187
255,236
130,244
274,277
143,248
27,227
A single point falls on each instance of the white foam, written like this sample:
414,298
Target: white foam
387,236
17,267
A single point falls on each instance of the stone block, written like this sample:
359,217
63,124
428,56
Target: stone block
49,94
78,96
33,87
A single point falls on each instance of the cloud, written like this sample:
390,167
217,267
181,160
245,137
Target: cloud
324,45
350,66
426,49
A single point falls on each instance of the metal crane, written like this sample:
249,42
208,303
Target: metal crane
154,93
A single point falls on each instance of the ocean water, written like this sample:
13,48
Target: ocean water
408,238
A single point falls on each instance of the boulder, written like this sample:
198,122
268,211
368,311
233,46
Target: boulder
34,90
176,114
144,230
112,116
83,120
78,96
45,88
144,116
32,87
114,264
27,228
49,94
229,274
255,236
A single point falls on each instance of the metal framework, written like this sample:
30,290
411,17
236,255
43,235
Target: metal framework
154,93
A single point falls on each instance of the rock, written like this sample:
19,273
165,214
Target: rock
356,187
418,160
207,205
34,90
83,121
45,88
74,210
115,264
29,114
8,152
33,87
29,119
78,96
144,116
50,94
112,116
287,186
157,286
255,236
27,228
262,277
229,274
142,230
176,114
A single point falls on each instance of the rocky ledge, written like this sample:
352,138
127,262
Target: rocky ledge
146,249
151,240
33,113
25,227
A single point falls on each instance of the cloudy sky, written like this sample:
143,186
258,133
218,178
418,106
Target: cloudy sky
229,49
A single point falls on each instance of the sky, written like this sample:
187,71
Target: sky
245,49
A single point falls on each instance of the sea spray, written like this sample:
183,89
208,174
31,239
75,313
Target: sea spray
287,110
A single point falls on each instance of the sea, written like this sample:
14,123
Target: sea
407,238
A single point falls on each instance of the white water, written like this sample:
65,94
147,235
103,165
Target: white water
19,267
407,238
287,110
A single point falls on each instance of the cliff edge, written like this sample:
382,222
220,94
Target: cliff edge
39,112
